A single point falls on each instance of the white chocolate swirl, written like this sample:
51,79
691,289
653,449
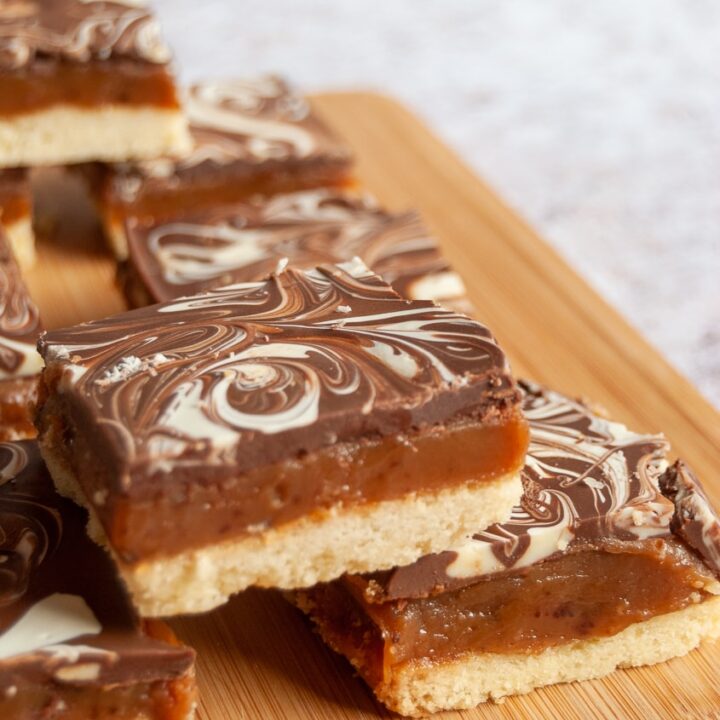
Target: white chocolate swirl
245,241
308,357
585,477
241,123
263,112
78,30
19,321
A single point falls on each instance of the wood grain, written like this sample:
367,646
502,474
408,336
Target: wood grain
257,657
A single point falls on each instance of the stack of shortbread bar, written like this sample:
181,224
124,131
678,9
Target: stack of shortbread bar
301,398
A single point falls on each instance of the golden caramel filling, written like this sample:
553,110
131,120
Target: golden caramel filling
13,207
161,700
194,511
89,85
225,187
577,596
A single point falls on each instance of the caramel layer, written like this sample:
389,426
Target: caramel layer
161,700
193,510
581,595
228,185
110,82
13,207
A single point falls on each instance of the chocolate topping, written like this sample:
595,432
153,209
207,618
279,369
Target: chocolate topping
245,241
695,520
254,373
64,617
19,320
586,480
78,31
238,127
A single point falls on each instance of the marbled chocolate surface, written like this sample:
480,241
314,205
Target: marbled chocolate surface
64,616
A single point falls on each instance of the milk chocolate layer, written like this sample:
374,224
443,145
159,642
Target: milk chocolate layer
78,31
67,629
244,242
209,395
254,136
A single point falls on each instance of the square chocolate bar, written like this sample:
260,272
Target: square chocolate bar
85,80
244,242
611,560
19,361
255,136
279,433
16,214
71,645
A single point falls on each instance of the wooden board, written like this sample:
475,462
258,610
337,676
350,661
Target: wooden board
257,657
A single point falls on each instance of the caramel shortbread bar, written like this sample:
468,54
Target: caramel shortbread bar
611,560
16,214
255,136
71,646
243,242
279,433
19,361
85,80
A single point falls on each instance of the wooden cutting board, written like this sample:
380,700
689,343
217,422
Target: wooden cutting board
257,657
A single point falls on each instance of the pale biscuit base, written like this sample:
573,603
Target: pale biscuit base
66,134
312,549
418,689
22,241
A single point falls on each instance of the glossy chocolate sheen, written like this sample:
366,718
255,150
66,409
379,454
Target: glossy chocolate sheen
64,617
78,31
695,520
254,373
244,242
19,320
587,479
240,128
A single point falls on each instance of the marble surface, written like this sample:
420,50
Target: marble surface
600,122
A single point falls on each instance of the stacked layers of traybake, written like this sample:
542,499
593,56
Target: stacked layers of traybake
295,412
279,433
610,560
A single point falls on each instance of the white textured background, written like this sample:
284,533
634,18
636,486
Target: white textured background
600,122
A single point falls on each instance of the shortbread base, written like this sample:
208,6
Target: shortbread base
420,688
65,134
312,549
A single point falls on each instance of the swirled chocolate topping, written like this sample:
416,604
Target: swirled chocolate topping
586,479
64,616
237,125
19,320
78,31
695,520
245,241
254,373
